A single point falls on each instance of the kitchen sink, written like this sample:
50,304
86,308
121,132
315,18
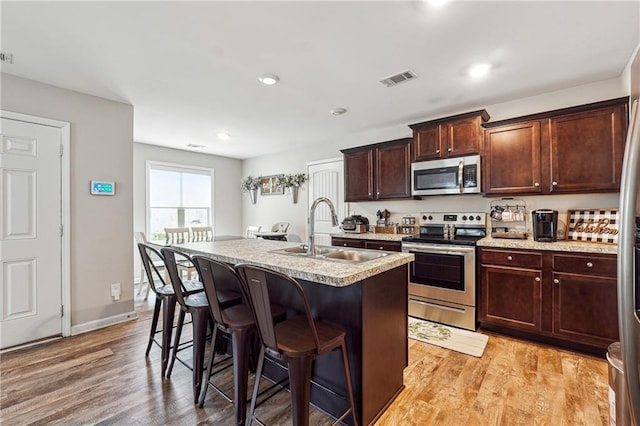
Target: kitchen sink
334,253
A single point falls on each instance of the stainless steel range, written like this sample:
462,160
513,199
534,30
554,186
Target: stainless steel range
442,279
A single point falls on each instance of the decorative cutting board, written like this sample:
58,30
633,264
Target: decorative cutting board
593,226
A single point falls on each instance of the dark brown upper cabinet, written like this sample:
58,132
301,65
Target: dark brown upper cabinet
572,150
378,172
448,137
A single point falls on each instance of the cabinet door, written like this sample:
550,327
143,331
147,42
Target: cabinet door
393,171
511,297
382,245
512,159
461,137
585,309
358,175
426,142
347,242
587,150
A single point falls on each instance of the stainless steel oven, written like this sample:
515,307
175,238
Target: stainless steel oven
442,278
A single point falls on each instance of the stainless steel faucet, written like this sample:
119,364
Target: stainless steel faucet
311,249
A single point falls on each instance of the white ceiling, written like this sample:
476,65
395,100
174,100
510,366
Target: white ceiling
191,69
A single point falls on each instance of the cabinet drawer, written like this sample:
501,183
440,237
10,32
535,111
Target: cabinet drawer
347,242
585,264
518,259
382,245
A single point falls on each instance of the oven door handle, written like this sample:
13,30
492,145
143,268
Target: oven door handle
437,249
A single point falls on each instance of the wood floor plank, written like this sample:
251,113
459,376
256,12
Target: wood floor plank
103,378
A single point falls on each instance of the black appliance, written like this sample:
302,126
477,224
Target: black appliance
545,225
355,224
442,278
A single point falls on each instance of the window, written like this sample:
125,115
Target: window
177,197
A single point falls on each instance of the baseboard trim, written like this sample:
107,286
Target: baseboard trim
102,323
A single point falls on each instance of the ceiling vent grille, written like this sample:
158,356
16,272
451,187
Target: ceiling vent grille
399,78
6,57
193,145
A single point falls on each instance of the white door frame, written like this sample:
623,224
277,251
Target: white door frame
65,133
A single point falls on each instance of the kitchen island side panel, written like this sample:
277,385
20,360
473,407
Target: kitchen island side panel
384,340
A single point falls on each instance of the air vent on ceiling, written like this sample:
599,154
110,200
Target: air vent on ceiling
399,78
193,145
6,57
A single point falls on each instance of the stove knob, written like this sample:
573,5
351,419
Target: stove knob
465,218
470,216
425,217
478,218
430,217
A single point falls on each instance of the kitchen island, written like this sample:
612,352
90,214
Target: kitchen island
369,299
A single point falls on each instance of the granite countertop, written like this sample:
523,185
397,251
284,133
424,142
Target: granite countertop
370,236
329,272
530,244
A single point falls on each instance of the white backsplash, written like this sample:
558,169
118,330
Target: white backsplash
478,203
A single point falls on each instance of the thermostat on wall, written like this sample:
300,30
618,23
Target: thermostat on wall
99,187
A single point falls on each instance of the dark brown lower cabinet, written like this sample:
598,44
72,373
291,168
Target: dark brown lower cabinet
565,299
367,244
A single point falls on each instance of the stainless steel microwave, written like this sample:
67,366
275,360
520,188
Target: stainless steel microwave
450,176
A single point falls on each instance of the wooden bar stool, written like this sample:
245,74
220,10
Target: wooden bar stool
195,304
237,321
297,341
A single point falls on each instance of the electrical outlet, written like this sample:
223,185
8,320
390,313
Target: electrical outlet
115,291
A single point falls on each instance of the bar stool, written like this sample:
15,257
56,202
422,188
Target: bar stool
195,304
165,300
237,321
297,341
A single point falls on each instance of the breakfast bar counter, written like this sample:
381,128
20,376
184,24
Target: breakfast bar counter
369,299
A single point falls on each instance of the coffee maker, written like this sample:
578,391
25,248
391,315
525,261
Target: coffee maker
545,225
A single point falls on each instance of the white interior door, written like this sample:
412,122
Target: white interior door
30,232
326,179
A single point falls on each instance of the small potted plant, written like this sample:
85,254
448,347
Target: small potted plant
292,182
251,185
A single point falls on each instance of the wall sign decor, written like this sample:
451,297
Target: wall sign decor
593,226
269,185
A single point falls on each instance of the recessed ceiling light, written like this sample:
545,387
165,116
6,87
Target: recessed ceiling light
479,70
437,2
269,79
338,111
223,136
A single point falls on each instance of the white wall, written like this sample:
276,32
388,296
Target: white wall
270,209
227,204
101,228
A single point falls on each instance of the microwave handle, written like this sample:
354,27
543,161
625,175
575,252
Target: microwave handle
460,175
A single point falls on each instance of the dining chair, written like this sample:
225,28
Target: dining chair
296,341
201,233
157,262
176,235
280,227
252,230
180,236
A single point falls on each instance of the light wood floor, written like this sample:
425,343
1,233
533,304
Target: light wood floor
102,377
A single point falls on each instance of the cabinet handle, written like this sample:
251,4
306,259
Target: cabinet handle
369,194
556,281
380,248
378,193
589,265
554,183
437,151
537,279
537,184
344,245
449,150
509,257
